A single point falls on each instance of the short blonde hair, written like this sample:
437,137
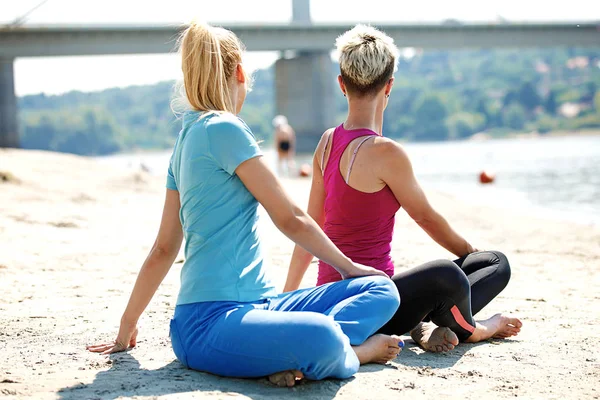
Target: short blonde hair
368,59
209,58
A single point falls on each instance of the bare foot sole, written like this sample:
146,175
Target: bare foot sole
378,349
286,378
434,338
498,327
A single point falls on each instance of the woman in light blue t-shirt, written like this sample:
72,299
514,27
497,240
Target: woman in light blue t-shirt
229,319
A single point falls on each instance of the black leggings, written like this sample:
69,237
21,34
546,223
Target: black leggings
448,293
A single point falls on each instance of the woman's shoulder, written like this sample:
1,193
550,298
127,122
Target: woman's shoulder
324,140
327,135
385,151
225,122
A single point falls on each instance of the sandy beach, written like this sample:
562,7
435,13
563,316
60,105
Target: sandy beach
73,235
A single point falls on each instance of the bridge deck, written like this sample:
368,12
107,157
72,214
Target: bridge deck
97,40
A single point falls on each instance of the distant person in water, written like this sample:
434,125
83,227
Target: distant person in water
360,181
229,319
285,143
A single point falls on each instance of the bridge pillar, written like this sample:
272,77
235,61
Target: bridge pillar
304,94
301,12
9,135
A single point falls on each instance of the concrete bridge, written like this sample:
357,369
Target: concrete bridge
304,88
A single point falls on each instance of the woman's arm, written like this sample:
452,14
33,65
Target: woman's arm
395,169
292,221
301,258
155,268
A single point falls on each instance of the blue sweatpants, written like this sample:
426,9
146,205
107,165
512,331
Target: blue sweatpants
310,330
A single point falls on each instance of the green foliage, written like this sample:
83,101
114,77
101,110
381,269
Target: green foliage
589,121
85,131
545,123
400,127
550,104
464,124
430,113
528,96
437,95
571,95
514,117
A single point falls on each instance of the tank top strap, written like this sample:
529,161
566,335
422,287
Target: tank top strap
329,135
333,140
339,140
354,157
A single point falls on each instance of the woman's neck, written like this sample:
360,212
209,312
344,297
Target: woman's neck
365,114
233,96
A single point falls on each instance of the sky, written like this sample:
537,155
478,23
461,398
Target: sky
54,75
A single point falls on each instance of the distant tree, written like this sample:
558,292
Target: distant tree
464,124
514,116
589,93
545,123
483,109
430,109
430,114
528,96
402,127
550,104
569,95
510,97
85,131
589,121
37,132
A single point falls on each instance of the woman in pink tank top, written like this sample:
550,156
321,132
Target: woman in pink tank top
361,180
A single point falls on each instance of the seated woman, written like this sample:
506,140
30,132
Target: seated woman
360,181
228,319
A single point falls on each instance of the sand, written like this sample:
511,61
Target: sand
74,232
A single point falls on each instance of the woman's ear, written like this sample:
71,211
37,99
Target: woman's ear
388,86
342,86
240,74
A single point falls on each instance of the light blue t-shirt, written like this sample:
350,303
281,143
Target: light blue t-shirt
223,257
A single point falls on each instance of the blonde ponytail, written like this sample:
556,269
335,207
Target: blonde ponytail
209,58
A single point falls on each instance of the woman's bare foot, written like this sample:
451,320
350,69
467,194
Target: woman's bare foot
499,327
378,349
286,378
434,338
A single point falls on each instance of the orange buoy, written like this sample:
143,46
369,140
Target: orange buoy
305,170
486,177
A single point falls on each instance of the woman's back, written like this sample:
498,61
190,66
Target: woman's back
218,214
359,219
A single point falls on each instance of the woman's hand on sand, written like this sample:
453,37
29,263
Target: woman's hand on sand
126,339
361,270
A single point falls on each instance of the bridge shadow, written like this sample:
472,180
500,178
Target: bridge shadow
126,379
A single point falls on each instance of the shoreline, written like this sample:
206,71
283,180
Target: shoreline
516,135
504,197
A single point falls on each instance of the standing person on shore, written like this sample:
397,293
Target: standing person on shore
285,143
361,179
229,320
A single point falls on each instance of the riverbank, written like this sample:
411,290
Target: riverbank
73,234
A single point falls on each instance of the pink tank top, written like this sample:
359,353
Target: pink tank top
360,224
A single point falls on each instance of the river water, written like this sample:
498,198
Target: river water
555,177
